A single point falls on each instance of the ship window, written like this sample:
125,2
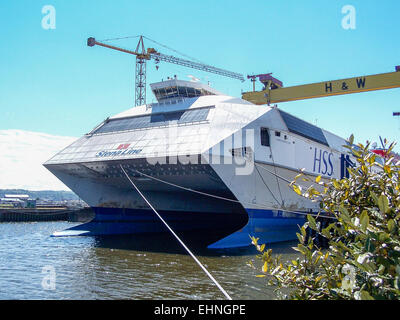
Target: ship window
277,133
182,91
191,92
176,91
171,91
155,120
265,137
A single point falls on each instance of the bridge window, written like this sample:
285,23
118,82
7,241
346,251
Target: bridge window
178,91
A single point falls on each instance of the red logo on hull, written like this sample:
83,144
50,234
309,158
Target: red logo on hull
123,146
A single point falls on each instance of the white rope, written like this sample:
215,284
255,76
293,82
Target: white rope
274,174
266,185
180,241
187,189
280,177
231,200
277,182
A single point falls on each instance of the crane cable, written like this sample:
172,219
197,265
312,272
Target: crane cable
176,51
112,39
158,43
176,236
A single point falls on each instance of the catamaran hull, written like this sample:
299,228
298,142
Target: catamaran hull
254,153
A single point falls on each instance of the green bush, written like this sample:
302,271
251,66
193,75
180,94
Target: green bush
363,258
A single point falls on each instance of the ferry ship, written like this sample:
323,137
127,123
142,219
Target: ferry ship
208,163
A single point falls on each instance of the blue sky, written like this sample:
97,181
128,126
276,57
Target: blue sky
51,82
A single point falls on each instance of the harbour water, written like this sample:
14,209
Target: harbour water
120,267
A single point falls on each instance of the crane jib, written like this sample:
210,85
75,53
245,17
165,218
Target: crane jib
325,89
196,65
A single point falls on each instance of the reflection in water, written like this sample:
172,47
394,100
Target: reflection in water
165,243
121,267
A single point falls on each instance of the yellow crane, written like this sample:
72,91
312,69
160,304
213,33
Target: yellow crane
274,92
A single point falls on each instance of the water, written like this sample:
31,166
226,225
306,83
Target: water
128,267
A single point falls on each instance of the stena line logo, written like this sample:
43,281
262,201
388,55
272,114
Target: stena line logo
122,150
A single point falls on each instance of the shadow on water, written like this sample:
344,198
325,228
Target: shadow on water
167,243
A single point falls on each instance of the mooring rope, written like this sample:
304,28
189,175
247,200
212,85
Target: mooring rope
184,188
276,177
231,200
176,236
274,174
266,185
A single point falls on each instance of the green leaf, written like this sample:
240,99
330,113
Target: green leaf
326,233
375,197
369,246
383,204
345,214
300,237
391,225
303,231
364,220
312,223
300,248
351,139
364,295
383,236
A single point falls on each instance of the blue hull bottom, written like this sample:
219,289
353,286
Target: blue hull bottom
269,226
117,221
218,230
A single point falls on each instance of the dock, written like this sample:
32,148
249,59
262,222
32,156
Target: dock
45,214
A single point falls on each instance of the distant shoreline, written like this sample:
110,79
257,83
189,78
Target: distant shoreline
42,194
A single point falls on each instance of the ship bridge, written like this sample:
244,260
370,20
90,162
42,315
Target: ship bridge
175,89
